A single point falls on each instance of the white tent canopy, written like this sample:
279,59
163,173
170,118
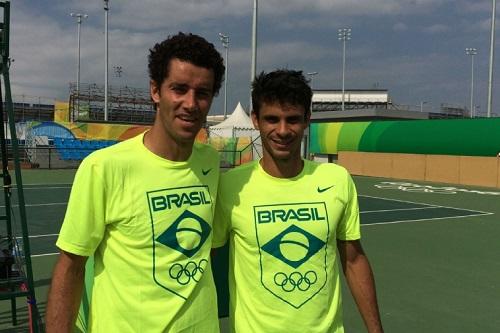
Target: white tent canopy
236,125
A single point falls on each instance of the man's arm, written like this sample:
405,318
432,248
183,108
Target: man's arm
359,277
65,293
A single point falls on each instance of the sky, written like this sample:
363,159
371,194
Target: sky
413,48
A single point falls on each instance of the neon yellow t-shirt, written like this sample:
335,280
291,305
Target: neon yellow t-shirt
283,266
148,223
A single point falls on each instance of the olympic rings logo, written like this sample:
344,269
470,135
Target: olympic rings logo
192,270
295,280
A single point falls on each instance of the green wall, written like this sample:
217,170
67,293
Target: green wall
471,137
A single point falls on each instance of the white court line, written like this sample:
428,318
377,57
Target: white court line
395,210
419,220
405,201
363,225
49,184
36,205
45,188
42,186
44,254
39,236
425,204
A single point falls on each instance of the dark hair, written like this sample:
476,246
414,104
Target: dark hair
281,86
186,47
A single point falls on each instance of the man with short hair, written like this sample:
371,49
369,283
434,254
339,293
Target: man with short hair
290,222
144,208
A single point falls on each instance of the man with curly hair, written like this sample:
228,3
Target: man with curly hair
144,208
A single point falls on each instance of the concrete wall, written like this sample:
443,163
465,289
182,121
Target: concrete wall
466,170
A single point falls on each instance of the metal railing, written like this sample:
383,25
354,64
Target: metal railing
50,157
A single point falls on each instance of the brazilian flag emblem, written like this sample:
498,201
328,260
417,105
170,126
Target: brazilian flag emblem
180,234
293,249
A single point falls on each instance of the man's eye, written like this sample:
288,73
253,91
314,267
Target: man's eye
179,90
203,93
272,120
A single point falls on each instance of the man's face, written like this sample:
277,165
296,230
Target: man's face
281,129
183,101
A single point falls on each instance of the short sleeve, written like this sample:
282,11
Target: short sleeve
348,227
84,222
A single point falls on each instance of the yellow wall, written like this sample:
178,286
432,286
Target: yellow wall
466,170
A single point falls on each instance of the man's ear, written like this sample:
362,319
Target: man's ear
255,120
154,91
308,119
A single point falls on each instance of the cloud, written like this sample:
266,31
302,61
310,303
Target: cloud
400,27
354,8
42,54
44,50
295,33
433,77
436,29
147,15
290,54
477,6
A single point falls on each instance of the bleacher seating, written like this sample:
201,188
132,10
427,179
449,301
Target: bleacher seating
77,150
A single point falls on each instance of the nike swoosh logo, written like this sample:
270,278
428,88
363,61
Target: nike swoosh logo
205,172
321,190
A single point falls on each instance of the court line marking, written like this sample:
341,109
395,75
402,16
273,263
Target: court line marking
44,254
44,184
36,205
39,236
429,206
419,203
47,188
419,220
397,200
422,188
395,210
362,225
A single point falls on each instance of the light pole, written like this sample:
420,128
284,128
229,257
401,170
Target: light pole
225,43
106,59
472,52
254,48
344,35
118,70
422,105
306,140
492,55
79,18
311,77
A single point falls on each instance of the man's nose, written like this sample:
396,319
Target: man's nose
190,101
282,129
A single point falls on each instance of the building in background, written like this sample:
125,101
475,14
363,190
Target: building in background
374,104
